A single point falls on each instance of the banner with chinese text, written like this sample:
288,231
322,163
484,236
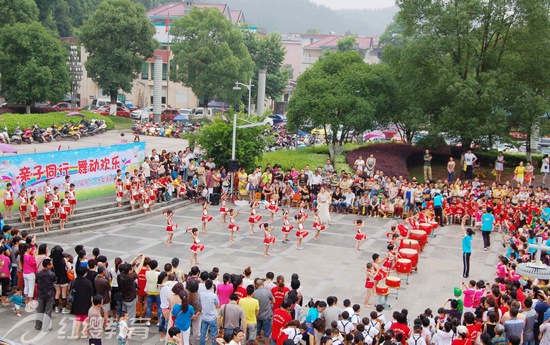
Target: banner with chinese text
92,169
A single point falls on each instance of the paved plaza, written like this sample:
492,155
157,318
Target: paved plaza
329,266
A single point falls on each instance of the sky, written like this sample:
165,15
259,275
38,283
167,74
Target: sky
355,4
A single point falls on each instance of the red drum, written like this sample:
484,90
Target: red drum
380,275
403,266
393,282
382,289
411,254
420,236
434,225
426,227
408,243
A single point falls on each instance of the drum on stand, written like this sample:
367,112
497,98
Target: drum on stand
421,236
411,254
426,227
408,243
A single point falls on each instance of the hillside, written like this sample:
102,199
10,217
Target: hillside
299,16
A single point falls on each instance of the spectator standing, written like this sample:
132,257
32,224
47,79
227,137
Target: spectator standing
210,304
451,164
487,222
127,286
264,318
231,316
469,160
251,308
103,289
82,300
95,321
427,166
45,279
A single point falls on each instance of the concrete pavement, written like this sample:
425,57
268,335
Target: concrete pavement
329,266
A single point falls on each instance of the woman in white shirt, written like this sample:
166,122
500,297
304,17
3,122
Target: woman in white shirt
444,335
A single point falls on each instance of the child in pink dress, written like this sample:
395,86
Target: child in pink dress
287,227
359,235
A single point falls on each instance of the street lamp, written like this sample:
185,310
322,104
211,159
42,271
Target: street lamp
249,87
75,70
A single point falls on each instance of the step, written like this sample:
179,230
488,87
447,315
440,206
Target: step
126,217
107,210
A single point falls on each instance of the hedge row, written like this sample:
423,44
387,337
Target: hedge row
11,121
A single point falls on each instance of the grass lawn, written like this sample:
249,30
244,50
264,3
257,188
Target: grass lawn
122,122
313,156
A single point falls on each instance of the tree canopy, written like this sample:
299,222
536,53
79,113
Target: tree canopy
337,94
33,64
18,11
118,38
210,55
267,52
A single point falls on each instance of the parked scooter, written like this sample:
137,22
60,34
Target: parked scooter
56,134
37,134
70,132
4,136
17,136
27,136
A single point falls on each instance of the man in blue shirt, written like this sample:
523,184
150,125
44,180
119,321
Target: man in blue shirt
487,221
438,208
466,248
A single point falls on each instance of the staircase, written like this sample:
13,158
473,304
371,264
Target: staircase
96,213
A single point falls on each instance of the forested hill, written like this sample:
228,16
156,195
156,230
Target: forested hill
299,16
284,16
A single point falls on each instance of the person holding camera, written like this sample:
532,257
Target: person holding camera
127,285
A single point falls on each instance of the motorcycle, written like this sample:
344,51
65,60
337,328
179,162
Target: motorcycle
55,133
37,134
17,136
27,136
70,132
101,126
47,134
4,136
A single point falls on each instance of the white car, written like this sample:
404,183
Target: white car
136,114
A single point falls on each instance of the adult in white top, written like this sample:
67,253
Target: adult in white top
469,160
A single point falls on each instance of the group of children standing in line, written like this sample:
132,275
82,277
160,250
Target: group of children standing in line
255,219
55,206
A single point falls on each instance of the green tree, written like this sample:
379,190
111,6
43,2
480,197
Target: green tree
267,52
336,93
210,55
118,38
216,140
346,44
458,53
17,11
33,65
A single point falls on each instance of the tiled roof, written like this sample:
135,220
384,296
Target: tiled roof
236,15
331,41
159,52
177,9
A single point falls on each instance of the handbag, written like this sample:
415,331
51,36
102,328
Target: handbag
70,275
70,295
221,330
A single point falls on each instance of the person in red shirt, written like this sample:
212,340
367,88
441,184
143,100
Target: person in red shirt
281,318
472,326
400,327
142,295
279,292
239,290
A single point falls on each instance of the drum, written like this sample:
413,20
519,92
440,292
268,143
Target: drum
419,235
408,243
411,254
426,227
393,282
382,289
403,266
434,225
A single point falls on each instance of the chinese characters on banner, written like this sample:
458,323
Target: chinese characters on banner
93,167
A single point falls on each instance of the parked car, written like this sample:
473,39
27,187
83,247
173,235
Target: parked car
63,106
199,113
136,114
100,102
120,111
168,115
278,118
185,111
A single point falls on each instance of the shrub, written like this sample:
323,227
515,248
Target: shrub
391,158
46,120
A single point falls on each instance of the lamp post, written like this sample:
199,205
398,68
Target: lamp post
75,70
249,87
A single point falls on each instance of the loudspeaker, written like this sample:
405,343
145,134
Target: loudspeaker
232,165
215,199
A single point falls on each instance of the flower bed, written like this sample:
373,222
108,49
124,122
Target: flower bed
391,158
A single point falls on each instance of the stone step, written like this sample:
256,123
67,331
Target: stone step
110,220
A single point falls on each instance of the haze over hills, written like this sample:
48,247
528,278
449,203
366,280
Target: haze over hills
299,16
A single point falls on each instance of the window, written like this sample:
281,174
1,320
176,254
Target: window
164,70
145,71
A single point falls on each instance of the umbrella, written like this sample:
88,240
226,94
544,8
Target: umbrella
374,134
6,148
75,113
